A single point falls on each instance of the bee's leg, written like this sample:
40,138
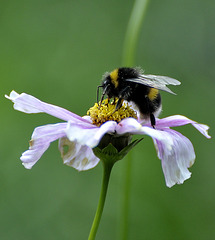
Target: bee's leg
108,101
114,100
98,93
124,94
119,104
152,119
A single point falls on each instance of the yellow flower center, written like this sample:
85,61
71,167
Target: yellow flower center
105,111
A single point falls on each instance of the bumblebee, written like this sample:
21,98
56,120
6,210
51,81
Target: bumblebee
142,90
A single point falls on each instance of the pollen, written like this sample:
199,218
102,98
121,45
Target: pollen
106,111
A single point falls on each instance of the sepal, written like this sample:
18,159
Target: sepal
110,154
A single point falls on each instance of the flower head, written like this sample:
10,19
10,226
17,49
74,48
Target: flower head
79,135
105,111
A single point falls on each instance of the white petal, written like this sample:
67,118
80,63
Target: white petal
41,139
175,162
80,157
89,136
29,104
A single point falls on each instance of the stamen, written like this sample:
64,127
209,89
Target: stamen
106,111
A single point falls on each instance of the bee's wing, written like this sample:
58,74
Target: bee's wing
155,81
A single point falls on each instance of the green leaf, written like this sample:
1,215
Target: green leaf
125,150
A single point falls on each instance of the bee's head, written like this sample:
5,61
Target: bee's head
109,85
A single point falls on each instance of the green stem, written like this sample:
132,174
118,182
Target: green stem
130,45
133,30
107,167
126,198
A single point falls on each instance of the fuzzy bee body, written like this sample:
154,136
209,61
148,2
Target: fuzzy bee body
143,90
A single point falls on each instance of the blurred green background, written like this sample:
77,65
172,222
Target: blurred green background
58,51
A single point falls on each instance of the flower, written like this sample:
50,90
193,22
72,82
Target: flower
78,136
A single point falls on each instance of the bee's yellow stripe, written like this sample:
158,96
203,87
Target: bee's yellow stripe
153,92
114,77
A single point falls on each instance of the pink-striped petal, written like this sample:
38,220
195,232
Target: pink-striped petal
89,136
179,120
28,104
40,141
175,161
80,157
131,125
